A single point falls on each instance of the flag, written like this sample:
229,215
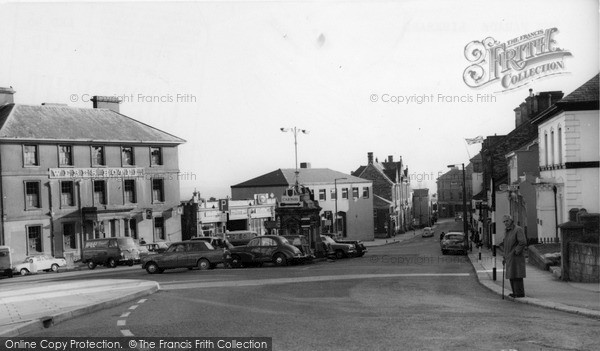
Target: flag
476,140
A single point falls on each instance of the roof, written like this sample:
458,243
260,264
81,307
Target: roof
307,176
52,122
581,99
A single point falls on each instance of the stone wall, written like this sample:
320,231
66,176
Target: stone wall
584,262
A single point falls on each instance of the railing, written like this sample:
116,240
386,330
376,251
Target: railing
545,240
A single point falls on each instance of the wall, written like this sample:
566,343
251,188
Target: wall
584,262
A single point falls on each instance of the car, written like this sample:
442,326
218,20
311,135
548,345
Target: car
215,241
157,247
185,254
301,243
267,248
427,232
341,250
458,217
34,264
454,242
359,246
110,252
240,237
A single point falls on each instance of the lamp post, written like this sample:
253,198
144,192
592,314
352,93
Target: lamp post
335,228
295,130
464,191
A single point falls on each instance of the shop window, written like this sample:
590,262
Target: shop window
67,193
129,189
127,156
69,237
155,156
98,156
65,155
159,228
158,190
34,240
32,195
100,192
30,155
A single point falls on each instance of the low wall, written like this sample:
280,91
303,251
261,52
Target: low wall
584,262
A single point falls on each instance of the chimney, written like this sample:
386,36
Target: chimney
6,96
390,158
109,102
370,158
305,165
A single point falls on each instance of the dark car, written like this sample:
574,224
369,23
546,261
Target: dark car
359,246
454,242
267,248
341,250
185,254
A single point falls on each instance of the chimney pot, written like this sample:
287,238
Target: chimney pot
6,96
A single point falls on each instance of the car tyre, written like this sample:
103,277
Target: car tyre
444,252
339,254
24,271
91,265
203,264
236,261
152,268
111,263
54,268
280,260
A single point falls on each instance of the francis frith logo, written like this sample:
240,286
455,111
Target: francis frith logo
516,62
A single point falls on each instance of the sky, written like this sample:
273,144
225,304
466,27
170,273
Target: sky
361,76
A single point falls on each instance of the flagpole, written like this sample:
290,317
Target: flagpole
466,147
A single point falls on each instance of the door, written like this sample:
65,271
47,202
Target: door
171,257
268,246
254,250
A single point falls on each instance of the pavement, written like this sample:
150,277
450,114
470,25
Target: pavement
27,305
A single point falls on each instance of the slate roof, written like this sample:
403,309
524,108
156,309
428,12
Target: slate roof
64,123
307,176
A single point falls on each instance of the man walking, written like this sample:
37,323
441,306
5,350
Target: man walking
514,245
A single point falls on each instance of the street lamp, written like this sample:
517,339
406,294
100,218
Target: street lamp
295,130
335,228
464,191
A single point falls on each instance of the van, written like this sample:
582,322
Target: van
240,237
110,252
6,266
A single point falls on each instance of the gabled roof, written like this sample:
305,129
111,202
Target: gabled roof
307,176
64,123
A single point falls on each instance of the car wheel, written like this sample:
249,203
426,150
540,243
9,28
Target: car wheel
339,254
203,264
111,263
24,271
54,268
152,268
91,265
444,252
236,261
279,260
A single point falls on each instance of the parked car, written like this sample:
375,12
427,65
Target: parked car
359,246
215,241
341,250
186,254
454,242
301,242
240,237
6,267
157,247
267,248
427,232
34,264
110,252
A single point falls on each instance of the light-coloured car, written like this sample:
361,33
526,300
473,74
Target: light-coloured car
34,264
341,250
427,232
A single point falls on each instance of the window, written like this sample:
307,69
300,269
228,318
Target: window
355,193
69,238
159,228
322,195
98,156
30,155
333,194
99,192
344,193
365,193
34,239
67,194
127,156
560,146
32,195
158,190
552,147
545,149
155,156
65,155
129,189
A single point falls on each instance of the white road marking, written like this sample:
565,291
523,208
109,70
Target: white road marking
260,282
142,301
125,315
133,307
121,322
126,332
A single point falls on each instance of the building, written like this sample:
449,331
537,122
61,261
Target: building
391,194
354,206
450,191
568,158
421,208
72,174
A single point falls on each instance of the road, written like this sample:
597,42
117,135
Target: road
398,296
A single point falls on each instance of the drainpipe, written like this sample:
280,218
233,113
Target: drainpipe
554,189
